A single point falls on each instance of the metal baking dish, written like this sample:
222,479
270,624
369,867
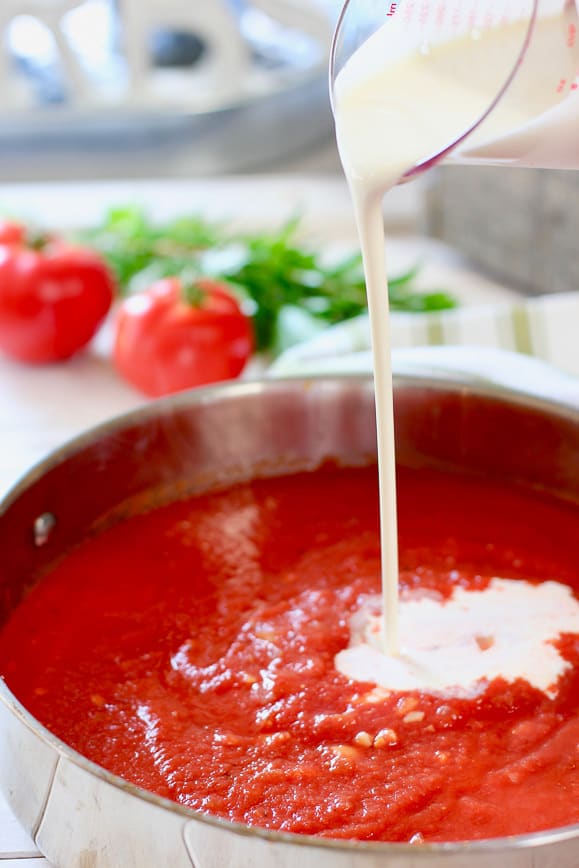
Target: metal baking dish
83,817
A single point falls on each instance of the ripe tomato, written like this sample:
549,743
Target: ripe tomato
166,342
53,297
12,232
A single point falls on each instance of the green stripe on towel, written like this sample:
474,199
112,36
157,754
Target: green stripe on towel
435,330
522,330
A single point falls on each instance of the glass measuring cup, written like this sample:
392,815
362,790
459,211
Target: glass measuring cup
509,68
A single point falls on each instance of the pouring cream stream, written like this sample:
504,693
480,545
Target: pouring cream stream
393,114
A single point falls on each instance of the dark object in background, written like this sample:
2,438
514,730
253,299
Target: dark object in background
176,49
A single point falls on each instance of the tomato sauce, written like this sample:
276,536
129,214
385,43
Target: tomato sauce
191,651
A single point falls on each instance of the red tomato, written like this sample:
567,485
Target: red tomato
53,297
11,232
165,343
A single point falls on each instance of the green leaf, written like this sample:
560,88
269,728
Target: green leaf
287,286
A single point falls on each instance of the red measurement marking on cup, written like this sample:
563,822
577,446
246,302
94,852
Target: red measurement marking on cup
571,36
561,85
393,9
409,12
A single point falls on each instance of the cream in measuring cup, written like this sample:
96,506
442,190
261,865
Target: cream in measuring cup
412,91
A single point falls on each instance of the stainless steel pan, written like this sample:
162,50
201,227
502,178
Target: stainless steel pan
80,815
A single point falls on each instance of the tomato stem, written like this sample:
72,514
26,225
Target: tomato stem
36,239
194,294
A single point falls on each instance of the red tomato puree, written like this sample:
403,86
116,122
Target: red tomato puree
191,651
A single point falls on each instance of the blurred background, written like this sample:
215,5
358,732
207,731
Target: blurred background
140,89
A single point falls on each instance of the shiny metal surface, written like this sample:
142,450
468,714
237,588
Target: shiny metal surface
82,816
251,135
120,87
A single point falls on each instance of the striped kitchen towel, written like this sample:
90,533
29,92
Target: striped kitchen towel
545,327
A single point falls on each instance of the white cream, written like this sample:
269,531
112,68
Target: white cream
392,115
396,107
455,647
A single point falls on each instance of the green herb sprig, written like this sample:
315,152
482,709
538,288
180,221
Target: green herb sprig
289,289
